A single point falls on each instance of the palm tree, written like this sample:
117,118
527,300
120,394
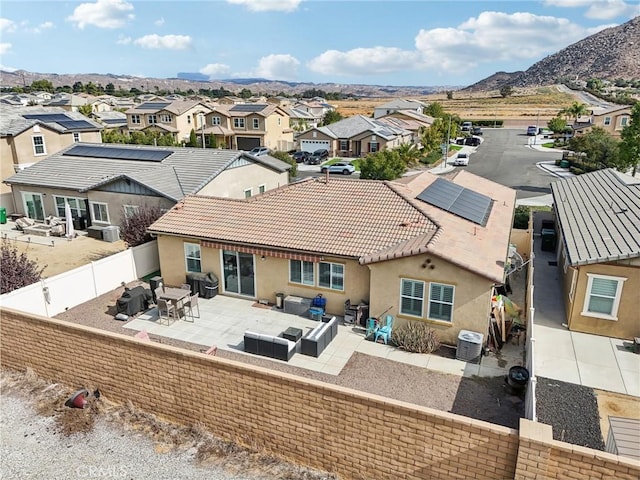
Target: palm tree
575,111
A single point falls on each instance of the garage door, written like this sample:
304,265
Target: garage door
313,145
247,143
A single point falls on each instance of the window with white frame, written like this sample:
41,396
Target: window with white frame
135,119
100,212
77,206
262,188
624,121
607,121
411,297
301,272
248,192
331,275
238,122
164,118
39,147
130,210
76,137
192,257
441,302
151,119
603,296
215,121
344,145
373,147
256,123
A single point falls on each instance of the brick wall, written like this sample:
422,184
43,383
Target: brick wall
323,426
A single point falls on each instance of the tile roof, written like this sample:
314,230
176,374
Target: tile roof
13,123
599,216
183,172
369,220
352,126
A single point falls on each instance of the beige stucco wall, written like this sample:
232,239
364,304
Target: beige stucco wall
278,133
472,295
628,323
615,127
233,182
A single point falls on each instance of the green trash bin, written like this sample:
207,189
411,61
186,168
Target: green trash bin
564,164
3,215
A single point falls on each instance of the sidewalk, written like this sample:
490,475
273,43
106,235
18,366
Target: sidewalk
553,169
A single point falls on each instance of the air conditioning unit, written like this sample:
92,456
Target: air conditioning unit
469,346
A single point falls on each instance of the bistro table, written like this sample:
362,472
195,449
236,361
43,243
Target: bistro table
176,296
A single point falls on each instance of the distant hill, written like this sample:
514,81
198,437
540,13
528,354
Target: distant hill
608,55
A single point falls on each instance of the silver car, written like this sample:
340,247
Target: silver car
339,167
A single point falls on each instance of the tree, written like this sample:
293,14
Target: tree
384,165
133,228
575,111
110,89
595,84
78,87
600,149
85,110
506,91
332,116
245,93
285,157
42,86
193,139
557,124
17,269
435,110
630,141
449,94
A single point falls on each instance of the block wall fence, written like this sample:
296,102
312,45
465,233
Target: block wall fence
335,429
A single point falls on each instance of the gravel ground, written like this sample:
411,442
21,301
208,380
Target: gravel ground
572,411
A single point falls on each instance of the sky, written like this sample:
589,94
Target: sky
384,42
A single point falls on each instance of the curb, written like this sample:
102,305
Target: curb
550,167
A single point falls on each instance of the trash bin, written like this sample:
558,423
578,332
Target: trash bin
111,233
279,300
3,215
154,282
564,164
548,240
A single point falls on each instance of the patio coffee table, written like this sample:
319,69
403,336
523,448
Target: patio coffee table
292,333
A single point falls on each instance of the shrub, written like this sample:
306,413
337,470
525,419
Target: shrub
285,157
133,229
521,218
416,337
17,270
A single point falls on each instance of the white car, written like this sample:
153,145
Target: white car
462,159
257,151
339,167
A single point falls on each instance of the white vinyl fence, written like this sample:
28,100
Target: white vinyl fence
530,396
61,292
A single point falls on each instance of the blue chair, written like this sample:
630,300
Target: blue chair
372,324
384,332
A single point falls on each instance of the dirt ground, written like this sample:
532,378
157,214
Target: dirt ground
615,405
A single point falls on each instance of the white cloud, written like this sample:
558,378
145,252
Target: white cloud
214,70
5,48
599,9
122,40
159,22
166,42
268,5
7,69
42,27
102,14
363,61
7,26
277,67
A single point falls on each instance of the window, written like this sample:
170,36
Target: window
238,122
135,119
440,302
624,121
411,297
130,210
100,212
607,120
165,118
215,120
76,137
262,188
373,147
248,192
189,119
603,296
152,119
192,257
344,145
256,123
38,146
279,121
76,204
301,272
331,275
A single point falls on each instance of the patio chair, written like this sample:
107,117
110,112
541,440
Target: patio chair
185,286
384,332
166,311
371,326
189,306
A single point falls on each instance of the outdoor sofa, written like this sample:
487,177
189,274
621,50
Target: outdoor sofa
314,342
269,346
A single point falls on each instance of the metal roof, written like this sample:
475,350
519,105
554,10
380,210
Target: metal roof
599,216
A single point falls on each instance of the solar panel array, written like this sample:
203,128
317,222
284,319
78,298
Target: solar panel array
153,105
120,153
460,201
247,107
61,119
75,124
114,121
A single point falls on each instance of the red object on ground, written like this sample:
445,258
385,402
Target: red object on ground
77,400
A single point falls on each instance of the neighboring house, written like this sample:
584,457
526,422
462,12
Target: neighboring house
111,120
102,181
30,134
67,101
175,118
399,105
383,242
598,220
231,100
612,120
354,137
248,125
318,108
411,121
99,105
302,120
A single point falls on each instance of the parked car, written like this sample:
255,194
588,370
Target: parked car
472,141
339,167
466,126
318,156
462,159
532,130
300,157
257,151
476,131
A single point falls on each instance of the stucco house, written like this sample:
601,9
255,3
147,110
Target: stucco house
612,120
427,248
399,105
598,220
414,122
30,134
354,137
104,182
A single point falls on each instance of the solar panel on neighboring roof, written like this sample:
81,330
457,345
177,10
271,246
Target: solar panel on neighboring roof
460,201
114,120
247,107
120,153
48,117
153,105
75,124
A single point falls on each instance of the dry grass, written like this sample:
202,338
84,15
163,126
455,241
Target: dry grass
49,400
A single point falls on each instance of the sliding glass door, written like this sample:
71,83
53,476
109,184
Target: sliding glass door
33,205
238,273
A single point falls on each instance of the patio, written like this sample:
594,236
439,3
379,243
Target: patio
223,321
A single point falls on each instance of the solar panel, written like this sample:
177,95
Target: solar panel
153,105
119,153
114,120
460,201
48,117
75,124
247,107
